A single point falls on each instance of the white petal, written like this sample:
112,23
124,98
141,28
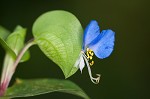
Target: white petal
77,61
81,64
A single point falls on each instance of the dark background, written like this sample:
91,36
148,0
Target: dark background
125,74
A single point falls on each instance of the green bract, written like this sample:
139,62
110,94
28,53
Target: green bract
59,35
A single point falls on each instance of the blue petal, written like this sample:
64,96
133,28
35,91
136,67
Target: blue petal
90,33
103,44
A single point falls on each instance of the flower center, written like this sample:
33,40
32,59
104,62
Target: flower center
90,54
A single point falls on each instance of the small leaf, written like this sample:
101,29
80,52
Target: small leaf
7,48
13,40
58,34
16,39
26,56
16,42
26,88
4,33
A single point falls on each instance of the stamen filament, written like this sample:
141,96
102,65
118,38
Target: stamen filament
94,80
85,55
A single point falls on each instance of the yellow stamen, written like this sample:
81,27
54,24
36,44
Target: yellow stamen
90,54
90,57
91,63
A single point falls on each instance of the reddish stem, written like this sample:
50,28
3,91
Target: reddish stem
8,75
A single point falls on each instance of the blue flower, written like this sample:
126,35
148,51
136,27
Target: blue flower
95,42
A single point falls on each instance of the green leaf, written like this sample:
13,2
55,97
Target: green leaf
16,42
7,48
59,35
26,88
26,56
16,39
4,33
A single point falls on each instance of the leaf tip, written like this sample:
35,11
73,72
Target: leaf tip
72,71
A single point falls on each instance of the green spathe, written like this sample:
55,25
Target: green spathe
59,35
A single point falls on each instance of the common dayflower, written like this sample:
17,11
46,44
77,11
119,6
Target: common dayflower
95,42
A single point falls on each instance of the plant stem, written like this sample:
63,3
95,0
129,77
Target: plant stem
12,67
27,46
